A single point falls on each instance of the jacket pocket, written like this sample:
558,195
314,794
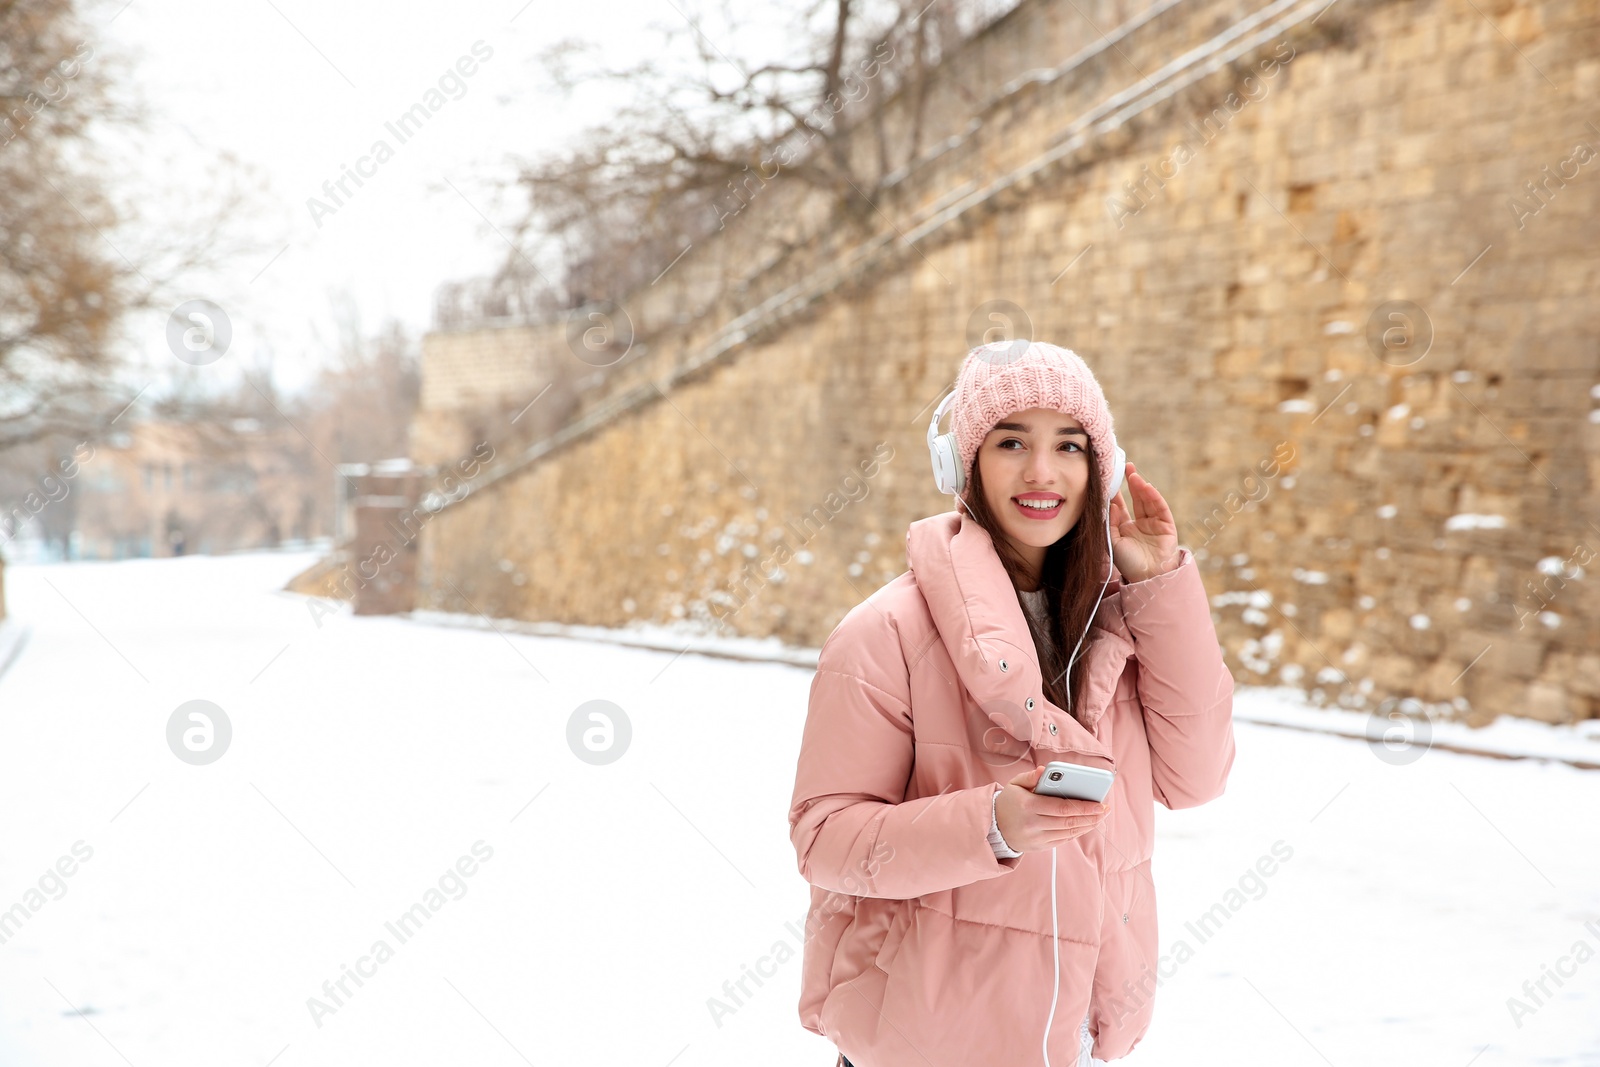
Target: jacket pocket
894,935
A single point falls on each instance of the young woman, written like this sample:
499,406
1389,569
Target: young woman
957,918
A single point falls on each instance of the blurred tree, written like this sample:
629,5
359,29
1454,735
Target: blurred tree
63,287
71,269
368,389
668,168
286,447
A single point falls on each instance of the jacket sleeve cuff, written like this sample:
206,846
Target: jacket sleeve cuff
996,841
1184,557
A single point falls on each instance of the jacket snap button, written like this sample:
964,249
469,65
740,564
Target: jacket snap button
1002,665
1124,916
1052,728
1030,703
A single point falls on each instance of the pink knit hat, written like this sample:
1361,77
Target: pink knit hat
1004,377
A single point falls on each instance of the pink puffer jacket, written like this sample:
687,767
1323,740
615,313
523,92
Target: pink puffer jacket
922,949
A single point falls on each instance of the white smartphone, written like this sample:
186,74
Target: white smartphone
1073,781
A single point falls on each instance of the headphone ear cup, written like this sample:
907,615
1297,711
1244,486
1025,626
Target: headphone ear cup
1120,466
946,469
944,453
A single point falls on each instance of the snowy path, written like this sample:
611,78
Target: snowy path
369,756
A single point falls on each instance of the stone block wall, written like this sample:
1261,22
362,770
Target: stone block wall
1339,290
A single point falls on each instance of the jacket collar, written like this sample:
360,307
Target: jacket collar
975,607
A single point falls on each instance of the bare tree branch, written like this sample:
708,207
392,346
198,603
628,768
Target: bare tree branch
73,266
667,169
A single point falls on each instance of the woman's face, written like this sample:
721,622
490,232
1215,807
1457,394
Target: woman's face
1039,456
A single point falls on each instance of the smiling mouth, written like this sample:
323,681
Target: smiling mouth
1038,509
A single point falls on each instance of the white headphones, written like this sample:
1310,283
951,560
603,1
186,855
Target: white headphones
948,474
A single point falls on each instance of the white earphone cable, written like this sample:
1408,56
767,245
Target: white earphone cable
1055,938
1055,945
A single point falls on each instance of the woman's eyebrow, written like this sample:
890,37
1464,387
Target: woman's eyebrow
1061,431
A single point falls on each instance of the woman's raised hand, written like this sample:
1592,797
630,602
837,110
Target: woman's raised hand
1145,543
1032,823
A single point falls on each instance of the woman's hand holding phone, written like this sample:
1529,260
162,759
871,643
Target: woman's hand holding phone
1033,823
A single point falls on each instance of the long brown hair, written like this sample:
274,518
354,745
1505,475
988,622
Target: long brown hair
1073,574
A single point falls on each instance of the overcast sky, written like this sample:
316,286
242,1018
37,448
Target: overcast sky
292,92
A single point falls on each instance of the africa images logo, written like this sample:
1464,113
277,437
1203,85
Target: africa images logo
403,128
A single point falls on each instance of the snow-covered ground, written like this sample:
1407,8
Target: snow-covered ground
606,904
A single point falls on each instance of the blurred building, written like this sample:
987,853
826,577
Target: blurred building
164,488
476,380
